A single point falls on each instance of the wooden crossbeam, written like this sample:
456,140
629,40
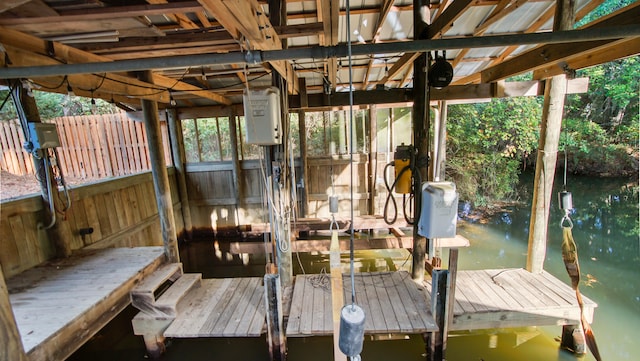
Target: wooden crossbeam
404,61
539,57
69,54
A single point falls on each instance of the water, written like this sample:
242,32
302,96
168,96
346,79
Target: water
606,231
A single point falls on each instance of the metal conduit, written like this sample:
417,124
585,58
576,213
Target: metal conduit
322,52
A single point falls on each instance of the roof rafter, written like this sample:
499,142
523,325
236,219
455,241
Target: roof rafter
72,55
541,56
385,8
246,20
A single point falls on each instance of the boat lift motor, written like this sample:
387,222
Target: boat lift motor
439,214
402,163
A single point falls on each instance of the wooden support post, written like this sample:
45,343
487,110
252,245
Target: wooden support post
439,309
421,123
302,126
160,176
275,331
550,127
155,345
573,339
237,169
179,160
278,17
337,294
373,157
10,342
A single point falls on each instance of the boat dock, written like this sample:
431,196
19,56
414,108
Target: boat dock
60,305
504,298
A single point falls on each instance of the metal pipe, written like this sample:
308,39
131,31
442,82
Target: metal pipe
320,52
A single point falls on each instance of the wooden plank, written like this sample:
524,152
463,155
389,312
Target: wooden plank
385,303
251,322
318,310
411,312
295,312
56,335
306,318
167,304
235,287
11,348
395,302
375,308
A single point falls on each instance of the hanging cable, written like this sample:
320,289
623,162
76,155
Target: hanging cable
352,317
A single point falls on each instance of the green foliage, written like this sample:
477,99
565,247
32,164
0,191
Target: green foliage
486,145
54,105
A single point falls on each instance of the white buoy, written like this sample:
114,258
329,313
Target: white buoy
351,330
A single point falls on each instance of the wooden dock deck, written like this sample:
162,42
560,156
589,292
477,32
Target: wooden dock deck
225,307
60,305
503,298
392,302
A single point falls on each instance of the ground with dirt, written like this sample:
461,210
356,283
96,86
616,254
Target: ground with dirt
13,186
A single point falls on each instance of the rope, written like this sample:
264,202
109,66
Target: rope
570,258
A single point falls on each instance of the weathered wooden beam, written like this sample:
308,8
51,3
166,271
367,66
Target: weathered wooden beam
10,4
179,161
10,341
160,176
72,55
444,21
609,52
540,56
105,13
275,325
421,123
337,294
302,128
405,60
550,128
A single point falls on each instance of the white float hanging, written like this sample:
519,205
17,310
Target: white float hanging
439,213
262,116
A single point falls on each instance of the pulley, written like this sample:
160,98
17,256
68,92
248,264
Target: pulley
565,201
440,72
351,330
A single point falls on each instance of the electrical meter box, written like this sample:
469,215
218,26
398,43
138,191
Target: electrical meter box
262,116
43,135
439,213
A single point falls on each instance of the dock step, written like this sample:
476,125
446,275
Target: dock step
147,291
167,304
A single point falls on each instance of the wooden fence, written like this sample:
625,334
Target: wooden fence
91,146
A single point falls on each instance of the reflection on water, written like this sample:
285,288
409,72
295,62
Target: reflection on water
606,231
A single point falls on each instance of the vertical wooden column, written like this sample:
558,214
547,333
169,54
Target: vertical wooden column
435,341
275,329
159,172
235,157
302,126
278,16
550,128
11,348
373,157
421,121
179,160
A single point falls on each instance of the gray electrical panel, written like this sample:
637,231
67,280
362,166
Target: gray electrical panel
44,135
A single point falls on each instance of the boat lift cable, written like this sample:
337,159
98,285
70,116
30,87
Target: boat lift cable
352,316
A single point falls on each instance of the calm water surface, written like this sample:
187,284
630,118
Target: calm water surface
606,231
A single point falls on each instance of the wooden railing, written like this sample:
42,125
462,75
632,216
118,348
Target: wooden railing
92,146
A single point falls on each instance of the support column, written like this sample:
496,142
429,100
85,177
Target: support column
278,16
275,329
421,121
373,157
237,169
11,348
550,127
160,175
439,310
302,126
179,160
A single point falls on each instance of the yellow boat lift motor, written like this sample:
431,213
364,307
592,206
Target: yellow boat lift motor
402,165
